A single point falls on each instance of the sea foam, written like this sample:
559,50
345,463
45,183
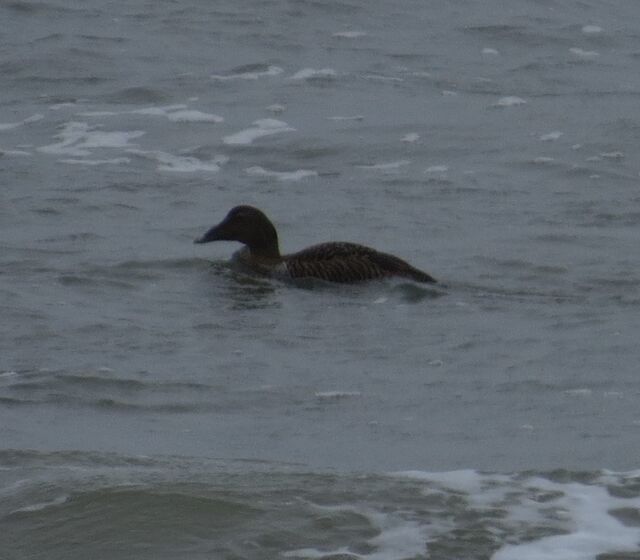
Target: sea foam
176,113
387,166
10,126
18,153
346,118
336,395
349,34
583,53
254,75
550,136
281,175
436,169
411,137
193,116
42,505
583,515
78,139
592,530
509,101
90,162
312,73
262,127
396,538
181,164
591,29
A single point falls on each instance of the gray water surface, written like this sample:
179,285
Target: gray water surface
493,145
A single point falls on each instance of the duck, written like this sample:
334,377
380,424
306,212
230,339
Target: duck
338,261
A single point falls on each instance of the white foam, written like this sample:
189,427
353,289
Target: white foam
490,51
314,553
98,114
411,137
10,126
591,29
386,166
193,116
16,486
17,153
464,480
550,136
436,169
181,164
612,155
509,101
276,108
78,139
179,113
349,34
176,113
346,118
312,73
33,118
585,54
580,512
592,530
397,538
113,161
40,506
335,395
158,111
281,175
270,71
584,392
262,127
382,78
64,105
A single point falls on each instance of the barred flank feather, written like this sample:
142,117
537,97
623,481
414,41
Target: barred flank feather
349,262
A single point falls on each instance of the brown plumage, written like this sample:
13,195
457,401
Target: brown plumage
333,262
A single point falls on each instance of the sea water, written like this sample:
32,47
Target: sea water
156,402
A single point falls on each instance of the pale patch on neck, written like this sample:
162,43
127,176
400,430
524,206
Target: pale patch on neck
263,265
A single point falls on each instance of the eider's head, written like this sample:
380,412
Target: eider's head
247,225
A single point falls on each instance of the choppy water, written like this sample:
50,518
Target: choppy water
157,403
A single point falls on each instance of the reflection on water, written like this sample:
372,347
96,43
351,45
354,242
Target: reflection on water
410,292
234,287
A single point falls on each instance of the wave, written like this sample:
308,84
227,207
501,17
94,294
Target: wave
111,503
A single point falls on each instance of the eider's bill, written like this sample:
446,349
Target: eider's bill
214,234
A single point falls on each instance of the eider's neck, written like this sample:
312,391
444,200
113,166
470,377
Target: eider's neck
272,252
264,241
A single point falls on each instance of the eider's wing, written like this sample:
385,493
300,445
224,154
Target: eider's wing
349,262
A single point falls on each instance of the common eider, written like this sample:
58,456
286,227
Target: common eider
333,262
